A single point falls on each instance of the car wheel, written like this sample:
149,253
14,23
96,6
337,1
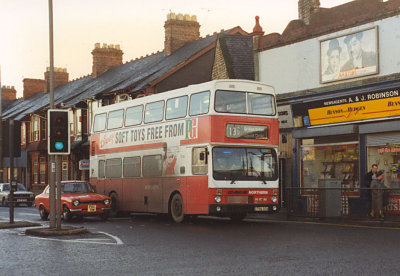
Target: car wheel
43,214
66,214
4,202
114,205
238,217
176,208
105,215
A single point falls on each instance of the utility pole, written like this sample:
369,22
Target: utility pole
53,168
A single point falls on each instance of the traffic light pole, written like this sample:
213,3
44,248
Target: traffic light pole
53,166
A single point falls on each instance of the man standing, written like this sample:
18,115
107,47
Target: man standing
368,178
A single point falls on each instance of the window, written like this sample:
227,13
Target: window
101,169
115,119
260,104
230,101
244,164
23,133
176,108
43,129
152,165
35,128
199,161
154,112
78,123
132,166
114,168
35,171
199,103
134,115
42,170
100,122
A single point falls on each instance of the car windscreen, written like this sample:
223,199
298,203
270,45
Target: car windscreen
76,187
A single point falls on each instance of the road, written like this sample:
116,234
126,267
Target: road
149,245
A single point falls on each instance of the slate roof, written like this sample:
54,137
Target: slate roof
135,75
238,55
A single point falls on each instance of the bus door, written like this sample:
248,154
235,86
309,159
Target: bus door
152,183
98,174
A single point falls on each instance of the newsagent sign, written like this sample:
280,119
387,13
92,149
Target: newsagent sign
359,107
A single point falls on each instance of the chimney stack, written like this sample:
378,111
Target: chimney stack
8,93
32,86
180,30
307,8
60,77
105,57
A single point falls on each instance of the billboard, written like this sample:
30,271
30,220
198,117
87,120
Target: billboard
349,56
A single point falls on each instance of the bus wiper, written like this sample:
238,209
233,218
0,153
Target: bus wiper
261,176
234,178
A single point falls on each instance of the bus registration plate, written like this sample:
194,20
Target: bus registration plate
91,208
261,209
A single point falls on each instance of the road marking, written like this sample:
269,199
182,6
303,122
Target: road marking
118,240
92,241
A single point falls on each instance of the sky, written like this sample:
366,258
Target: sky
136,25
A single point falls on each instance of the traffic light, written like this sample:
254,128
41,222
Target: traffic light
58,140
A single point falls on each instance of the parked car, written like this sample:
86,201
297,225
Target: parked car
21,195
77,198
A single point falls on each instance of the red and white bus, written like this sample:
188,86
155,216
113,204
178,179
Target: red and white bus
206,149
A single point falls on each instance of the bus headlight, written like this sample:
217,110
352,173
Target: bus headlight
75,202
274,199
217,199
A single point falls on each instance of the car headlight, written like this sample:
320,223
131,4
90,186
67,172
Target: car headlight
75,202
217,199
274,199
106,201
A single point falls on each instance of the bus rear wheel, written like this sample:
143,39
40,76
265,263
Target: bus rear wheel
176,208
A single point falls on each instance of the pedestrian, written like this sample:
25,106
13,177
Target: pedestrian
368,178
377,186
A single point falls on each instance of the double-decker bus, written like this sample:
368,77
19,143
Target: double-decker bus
205,149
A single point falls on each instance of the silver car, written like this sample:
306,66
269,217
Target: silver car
21,196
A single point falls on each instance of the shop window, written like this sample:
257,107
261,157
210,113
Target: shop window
387,157
338,161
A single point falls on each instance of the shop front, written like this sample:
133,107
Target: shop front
338,138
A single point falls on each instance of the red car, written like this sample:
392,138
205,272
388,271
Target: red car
77,198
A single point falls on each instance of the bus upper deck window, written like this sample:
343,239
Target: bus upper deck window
199,103
261,104
100,122
176,108
154,112
115,119
134,115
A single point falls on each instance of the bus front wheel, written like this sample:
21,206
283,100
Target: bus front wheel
176,208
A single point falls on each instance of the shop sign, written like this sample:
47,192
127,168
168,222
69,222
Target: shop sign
355,111
84,164
391,148
394,205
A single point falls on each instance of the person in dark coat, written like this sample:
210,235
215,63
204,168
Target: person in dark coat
377,186
368,178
